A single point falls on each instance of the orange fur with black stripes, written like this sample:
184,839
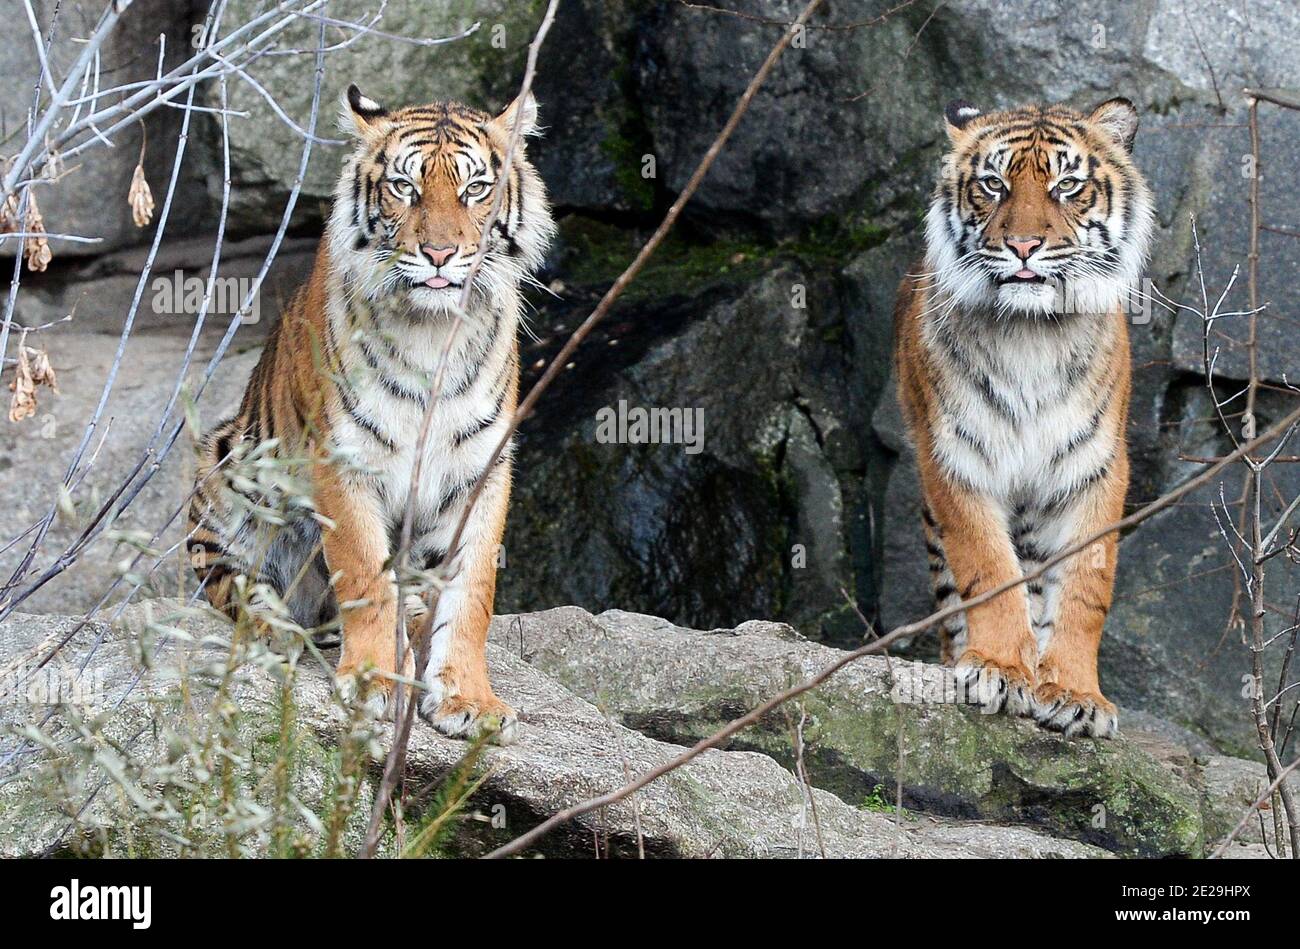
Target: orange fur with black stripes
1012,359
343,384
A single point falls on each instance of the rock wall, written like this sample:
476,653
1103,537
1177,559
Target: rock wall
770,307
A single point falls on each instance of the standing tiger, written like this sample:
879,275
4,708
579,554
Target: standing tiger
1012,358
345,380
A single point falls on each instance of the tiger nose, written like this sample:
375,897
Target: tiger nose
1024,246
438,255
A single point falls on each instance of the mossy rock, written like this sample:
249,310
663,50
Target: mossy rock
681,685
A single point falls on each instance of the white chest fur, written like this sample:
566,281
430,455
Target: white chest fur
1016,402
392,368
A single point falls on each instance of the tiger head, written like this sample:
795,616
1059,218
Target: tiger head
415,194
1039,211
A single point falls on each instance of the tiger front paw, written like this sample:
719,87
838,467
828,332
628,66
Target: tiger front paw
459,716
369,693
994,686
1074,713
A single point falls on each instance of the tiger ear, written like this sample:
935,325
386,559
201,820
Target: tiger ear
958,115
523,111
359,114
1118,119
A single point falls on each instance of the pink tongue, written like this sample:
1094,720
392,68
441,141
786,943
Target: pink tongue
437,283
1026,274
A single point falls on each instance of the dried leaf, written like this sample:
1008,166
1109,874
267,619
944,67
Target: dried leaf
33,370
140,198
67,507
23,403
39,254
9,214
42,371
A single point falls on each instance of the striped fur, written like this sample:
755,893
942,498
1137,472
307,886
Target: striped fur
344,383
1012,358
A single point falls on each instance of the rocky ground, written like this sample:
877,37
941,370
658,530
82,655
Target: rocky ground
769,310
602,697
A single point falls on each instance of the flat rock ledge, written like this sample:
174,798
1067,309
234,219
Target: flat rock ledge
1156,791
601,698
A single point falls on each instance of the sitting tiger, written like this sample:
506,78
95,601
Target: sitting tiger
1012,358
344,382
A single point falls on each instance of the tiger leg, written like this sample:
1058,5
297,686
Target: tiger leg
952,631
459,700
214,522
217,582
1068,696
356,555
996,667
212,563
219,555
